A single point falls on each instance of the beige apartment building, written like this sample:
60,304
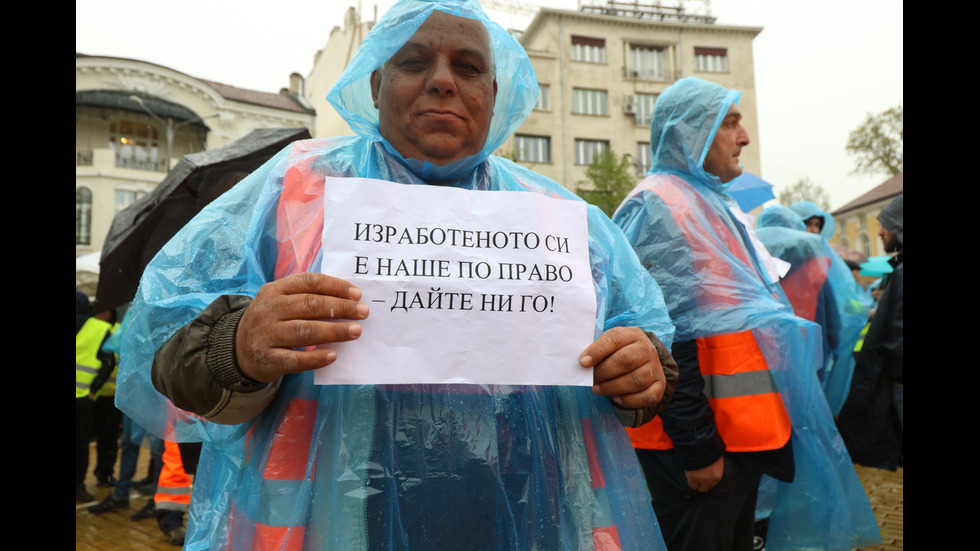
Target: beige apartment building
600,76
857,221
134,120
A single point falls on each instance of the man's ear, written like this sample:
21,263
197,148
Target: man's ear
376,86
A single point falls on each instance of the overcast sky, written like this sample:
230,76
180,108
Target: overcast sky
820,67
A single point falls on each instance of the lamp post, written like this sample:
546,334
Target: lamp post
169,127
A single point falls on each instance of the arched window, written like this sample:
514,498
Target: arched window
83,216
864,244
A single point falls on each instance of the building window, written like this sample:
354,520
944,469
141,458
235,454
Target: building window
543,103
864,245
586,150
590,50
136,145
648,62
844,243
532,149
83,216
643,157
590,102
126,197
643,108
711,60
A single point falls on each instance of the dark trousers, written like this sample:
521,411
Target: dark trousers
106,424
721,519
83,434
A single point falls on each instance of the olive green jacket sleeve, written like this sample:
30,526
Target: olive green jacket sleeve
196,369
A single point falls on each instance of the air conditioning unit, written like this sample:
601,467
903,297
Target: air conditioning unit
629,105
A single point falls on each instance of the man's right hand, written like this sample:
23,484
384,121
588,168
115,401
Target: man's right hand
298,311
703,480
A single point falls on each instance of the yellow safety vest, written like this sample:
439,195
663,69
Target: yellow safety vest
88,341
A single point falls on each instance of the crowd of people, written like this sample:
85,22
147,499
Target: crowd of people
726,370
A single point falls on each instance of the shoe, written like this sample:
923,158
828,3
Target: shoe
109,504
82,495
176,536
147,489
148,511
107,481
142,481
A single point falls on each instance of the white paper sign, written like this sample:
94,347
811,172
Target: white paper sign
473,287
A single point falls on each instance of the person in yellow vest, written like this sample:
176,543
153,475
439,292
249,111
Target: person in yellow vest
747,401
93,367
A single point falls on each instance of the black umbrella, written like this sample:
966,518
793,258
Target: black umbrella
143,228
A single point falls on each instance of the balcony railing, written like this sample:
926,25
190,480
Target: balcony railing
83,158
141,164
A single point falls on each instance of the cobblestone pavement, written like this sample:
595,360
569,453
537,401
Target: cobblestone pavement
115,532
886,492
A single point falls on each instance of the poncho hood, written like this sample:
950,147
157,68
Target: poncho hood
892,218
684,125
807,210
517,86
779,216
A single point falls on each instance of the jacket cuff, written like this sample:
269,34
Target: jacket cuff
221,358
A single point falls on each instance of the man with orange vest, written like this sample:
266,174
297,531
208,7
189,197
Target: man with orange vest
747,402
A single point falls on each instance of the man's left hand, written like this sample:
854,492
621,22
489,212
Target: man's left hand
627,367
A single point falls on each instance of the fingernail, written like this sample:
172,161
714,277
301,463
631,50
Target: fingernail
354,293
586,361
355,330
362,309
617,400
595,389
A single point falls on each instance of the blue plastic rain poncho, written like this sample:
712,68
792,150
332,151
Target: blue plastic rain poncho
807,210
681,223
360,467
822,289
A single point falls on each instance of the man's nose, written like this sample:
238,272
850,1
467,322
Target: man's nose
441,79
743,136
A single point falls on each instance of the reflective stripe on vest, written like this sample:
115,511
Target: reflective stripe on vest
749,411
88,340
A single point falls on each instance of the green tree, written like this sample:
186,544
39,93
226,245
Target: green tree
805,190
608,180
877,145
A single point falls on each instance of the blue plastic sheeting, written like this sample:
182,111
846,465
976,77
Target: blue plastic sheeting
822,289
680,223
394,467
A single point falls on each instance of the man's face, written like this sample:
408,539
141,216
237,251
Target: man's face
814,224
889,240
722,158
435,96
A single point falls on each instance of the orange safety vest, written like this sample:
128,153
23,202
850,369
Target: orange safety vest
174,485
299,221
749,411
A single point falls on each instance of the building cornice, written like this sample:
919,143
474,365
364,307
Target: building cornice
633,22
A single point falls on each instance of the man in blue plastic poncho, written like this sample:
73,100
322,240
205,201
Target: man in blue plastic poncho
225,310
747,401
821,289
